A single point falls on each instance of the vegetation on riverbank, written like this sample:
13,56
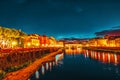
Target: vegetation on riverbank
2,74
25,73
15,68
12,69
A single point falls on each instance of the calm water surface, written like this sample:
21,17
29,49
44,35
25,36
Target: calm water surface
80,65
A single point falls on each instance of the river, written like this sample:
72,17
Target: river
80,65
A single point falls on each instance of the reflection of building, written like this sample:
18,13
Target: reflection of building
103,57
73,51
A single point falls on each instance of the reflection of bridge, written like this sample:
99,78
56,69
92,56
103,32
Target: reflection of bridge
75,51
73,46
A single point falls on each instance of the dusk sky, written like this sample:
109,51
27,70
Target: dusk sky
60,18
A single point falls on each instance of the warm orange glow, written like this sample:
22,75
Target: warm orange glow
37,44
28,44
115,56
71,51
103,57
42,44
14,43
36,41
108,58
3,42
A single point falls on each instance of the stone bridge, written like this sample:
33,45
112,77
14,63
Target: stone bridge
73,46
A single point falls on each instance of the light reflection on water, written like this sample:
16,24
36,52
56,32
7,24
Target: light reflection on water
37,75
50,66
90,63
43,70
53,63
58,57
104,57
74,51
47,66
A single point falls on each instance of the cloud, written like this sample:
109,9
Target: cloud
117,27
111,32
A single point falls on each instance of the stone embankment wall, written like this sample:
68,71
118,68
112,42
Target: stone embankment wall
16,58
25,73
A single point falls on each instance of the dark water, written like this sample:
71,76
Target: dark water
80,65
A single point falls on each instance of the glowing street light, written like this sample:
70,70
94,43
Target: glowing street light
37,44
14,43
28,44
3,43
